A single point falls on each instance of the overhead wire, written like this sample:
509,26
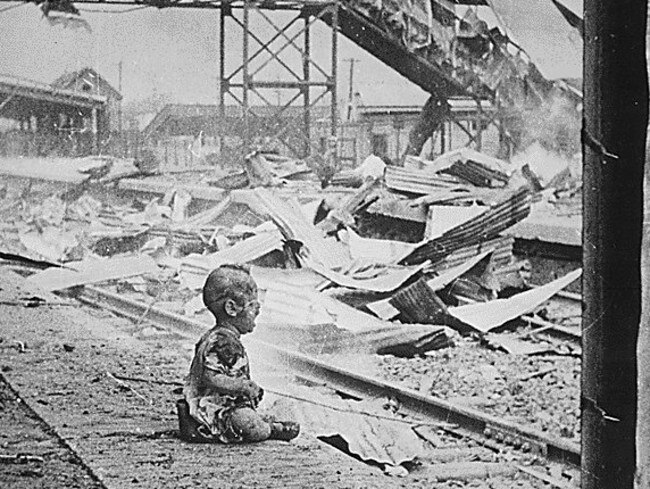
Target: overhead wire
105,11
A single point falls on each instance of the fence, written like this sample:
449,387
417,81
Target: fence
172,153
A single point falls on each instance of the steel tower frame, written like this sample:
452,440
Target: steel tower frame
244,81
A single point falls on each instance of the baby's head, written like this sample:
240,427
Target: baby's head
230,294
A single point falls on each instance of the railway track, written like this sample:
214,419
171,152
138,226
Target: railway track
463,430
564,306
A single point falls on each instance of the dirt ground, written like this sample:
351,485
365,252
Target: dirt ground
42,459
63,362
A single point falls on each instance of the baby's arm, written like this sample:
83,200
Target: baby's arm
232,386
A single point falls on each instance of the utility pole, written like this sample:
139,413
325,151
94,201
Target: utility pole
351,86
613,134
119,89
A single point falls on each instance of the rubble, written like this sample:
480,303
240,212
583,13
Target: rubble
328,286
487,316
549,403
320,235
480,228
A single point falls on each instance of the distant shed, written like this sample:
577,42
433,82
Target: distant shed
50,120
89,81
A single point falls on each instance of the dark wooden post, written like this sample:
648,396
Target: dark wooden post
434,113
614,131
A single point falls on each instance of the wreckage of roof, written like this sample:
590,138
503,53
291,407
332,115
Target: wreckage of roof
162,186
489,315
418,303
399,207
194,268
477,174
293,224
372,439
379,251
449,275
481,228
467,164
501,247
421,182
556,229
91,271
382,279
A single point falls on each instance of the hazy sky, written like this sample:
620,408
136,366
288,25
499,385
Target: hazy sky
175,51
170,51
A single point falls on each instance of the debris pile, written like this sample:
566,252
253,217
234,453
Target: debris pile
332,281
451,277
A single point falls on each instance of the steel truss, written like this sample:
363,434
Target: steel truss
484,119
270,43
310,83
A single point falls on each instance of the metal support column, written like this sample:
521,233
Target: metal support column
305,89
246,78
95,130
223,83
278,59
334,68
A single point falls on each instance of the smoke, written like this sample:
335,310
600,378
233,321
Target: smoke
545,164
554,124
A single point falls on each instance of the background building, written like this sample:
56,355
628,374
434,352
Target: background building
71,117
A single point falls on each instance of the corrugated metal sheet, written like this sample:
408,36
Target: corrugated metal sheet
302,278
290,302
501,253
488,315
452,273
482,228
472,166
380,251
372,438
418,303
90,271
420,182
195,268
394,205
408,299
442,218
293,224
382,279
383,309
477,174
289,296
347,178
158,185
